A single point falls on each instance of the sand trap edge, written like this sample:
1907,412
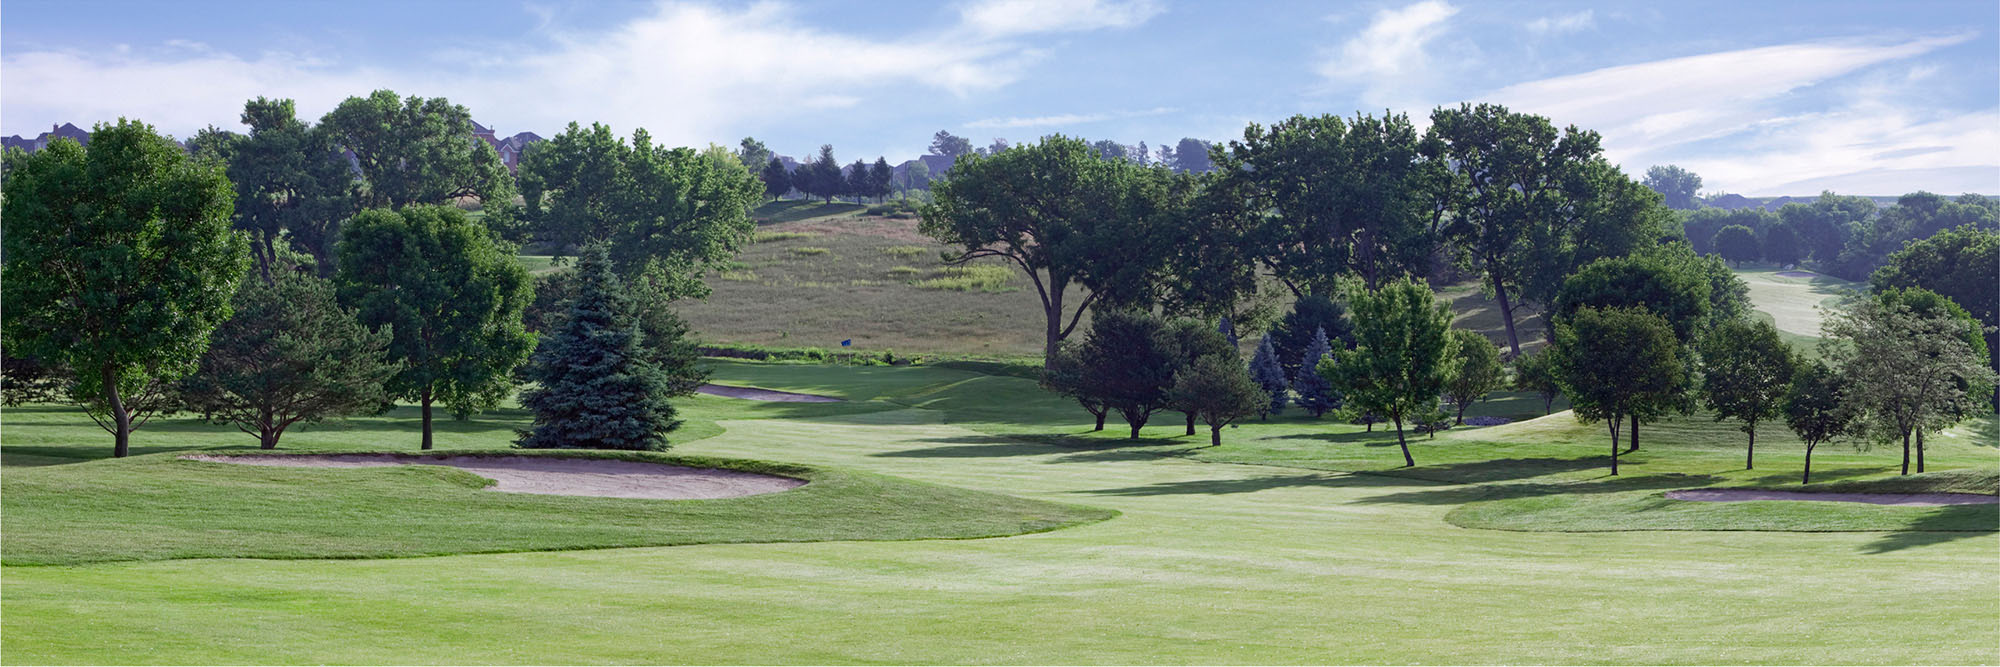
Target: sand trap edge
552,475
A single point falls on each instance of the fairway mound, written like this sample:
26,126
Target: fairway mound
607,478
1910,499
755,394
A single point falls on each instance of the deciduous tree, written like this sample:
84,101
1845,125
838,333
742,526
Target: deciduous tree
1218,390
120,261
1963,265
1737,244
1474,372
1399,362
417,151
1129,362
1616,362
1679,186
1536,373
1746,370
1814,408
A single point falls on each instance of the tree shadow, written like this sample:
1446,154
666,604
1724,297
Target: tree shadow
1497,470
1375,439
1250,485
1458,495
1946,524
1079,449
1779,480
28,456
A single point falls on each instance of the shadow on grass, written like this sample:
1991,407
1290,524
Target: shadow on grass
1078,449
1947,524
1214,487
1458,495
1496,470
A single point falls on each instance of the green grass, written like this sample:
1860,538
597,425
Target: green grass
795,210
161,507
539,264
907,251
1796,305
774,237
1210,561
808,251
976,278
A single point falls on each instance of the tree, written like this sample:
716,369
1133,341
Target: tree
1190,155
1270,376
1826,224
950,146
777,181
1219,390
417,151
1963,265
827,181
1129,360
860,184
119,263
1227,328
1315,394
1063,217
1294,334
1813,408
1192,340
1067,374
671,213
1508,192
452,296
1399,363
1674,291
291,182
1343,196
1746,370
754,154
1616,362
1679,186
595,388
1107,149
1474,373
879,177
1536,373
1737,244
289,355
1781,245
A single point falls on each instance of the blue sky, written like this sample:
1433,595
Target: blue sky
1760,98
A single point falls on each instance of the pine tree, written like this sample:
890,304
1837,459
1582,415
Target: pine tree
1316,394
879,177
596,389
1265,370
1228,329
777,181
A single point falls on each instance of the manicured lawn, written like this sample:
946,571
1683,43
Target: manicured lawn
1210,561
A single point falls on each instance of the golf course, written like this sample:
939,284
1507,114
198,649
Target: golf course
1297,541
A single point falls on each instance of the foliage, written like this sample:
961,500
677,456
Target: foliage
1270,376
1617,362
1537,373
1737,244
291,182
777,180
1310,315
1192,340
950,146
1813,407
1060,215
452,296
1067,374
1962,264
753,154
1129,361
1781,245
1678,186
1915,216
1218,390
1475,371
595,387
1667,289
119,263
1400,360
671,213
1316,395
289,355
416,151
1907,373
1745,372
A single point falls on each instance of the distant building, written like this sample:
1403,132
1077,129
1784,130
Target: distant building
63,131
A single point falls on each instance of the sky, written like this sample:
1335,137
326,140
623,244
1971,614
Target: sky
1759,98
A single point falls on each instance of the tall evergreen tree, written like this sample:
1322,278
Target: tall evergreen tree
879,177
777,181
1294,333
860,185
596,388
1264,368
1228,329
1316,394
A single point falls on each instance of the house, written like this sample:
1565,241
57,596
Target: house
512,148
63,131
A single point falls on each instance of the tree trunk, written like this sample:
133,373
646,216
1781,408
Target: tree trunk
268,439
1612,424
1807,478
1460,421
427,418
1405,444
1100,420
1750,455
1190,424
1920,450
121,419
1633,445
1052,314
1507,315
1906,452
1215,435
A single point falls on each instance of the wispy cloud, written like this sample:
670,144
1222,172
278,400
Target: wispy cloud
688,72
1062,120
1725,113
1553,25
1389,59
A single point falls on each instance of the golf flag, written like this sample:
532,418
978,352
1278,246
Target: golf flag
847,343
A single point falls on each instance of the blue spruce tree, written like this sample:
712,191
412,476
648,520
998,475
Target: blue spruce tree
596,388
1228,330
1316,394
1264,368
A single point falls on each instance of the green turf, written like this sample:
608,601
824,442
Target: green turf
1209,561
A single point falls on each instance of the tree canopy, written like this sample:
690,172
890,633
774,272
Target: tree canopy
595,387
1746,370
1613,363
417,151
1679,186
1401,356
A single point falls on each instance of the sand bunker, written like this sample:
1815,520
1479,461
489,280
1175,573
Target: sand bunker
557,476
755,394
1738,495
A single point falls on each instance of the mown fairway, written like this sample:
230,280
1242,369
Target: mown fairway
1210,561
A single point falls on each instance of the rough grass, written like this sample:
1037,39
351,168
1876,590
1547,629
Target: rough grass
907,251
774,237
808,251
977,278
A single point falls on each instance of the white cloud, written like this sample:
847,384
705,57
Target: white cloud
1721,114
1554,25
1062,120
1019,17
1389,60
689,73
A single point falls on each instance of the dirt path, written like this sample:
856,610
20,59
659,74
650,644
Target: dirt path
1739,495
558,476
755,394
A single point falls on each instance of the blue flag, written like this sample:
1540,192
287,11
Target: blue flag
847,343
